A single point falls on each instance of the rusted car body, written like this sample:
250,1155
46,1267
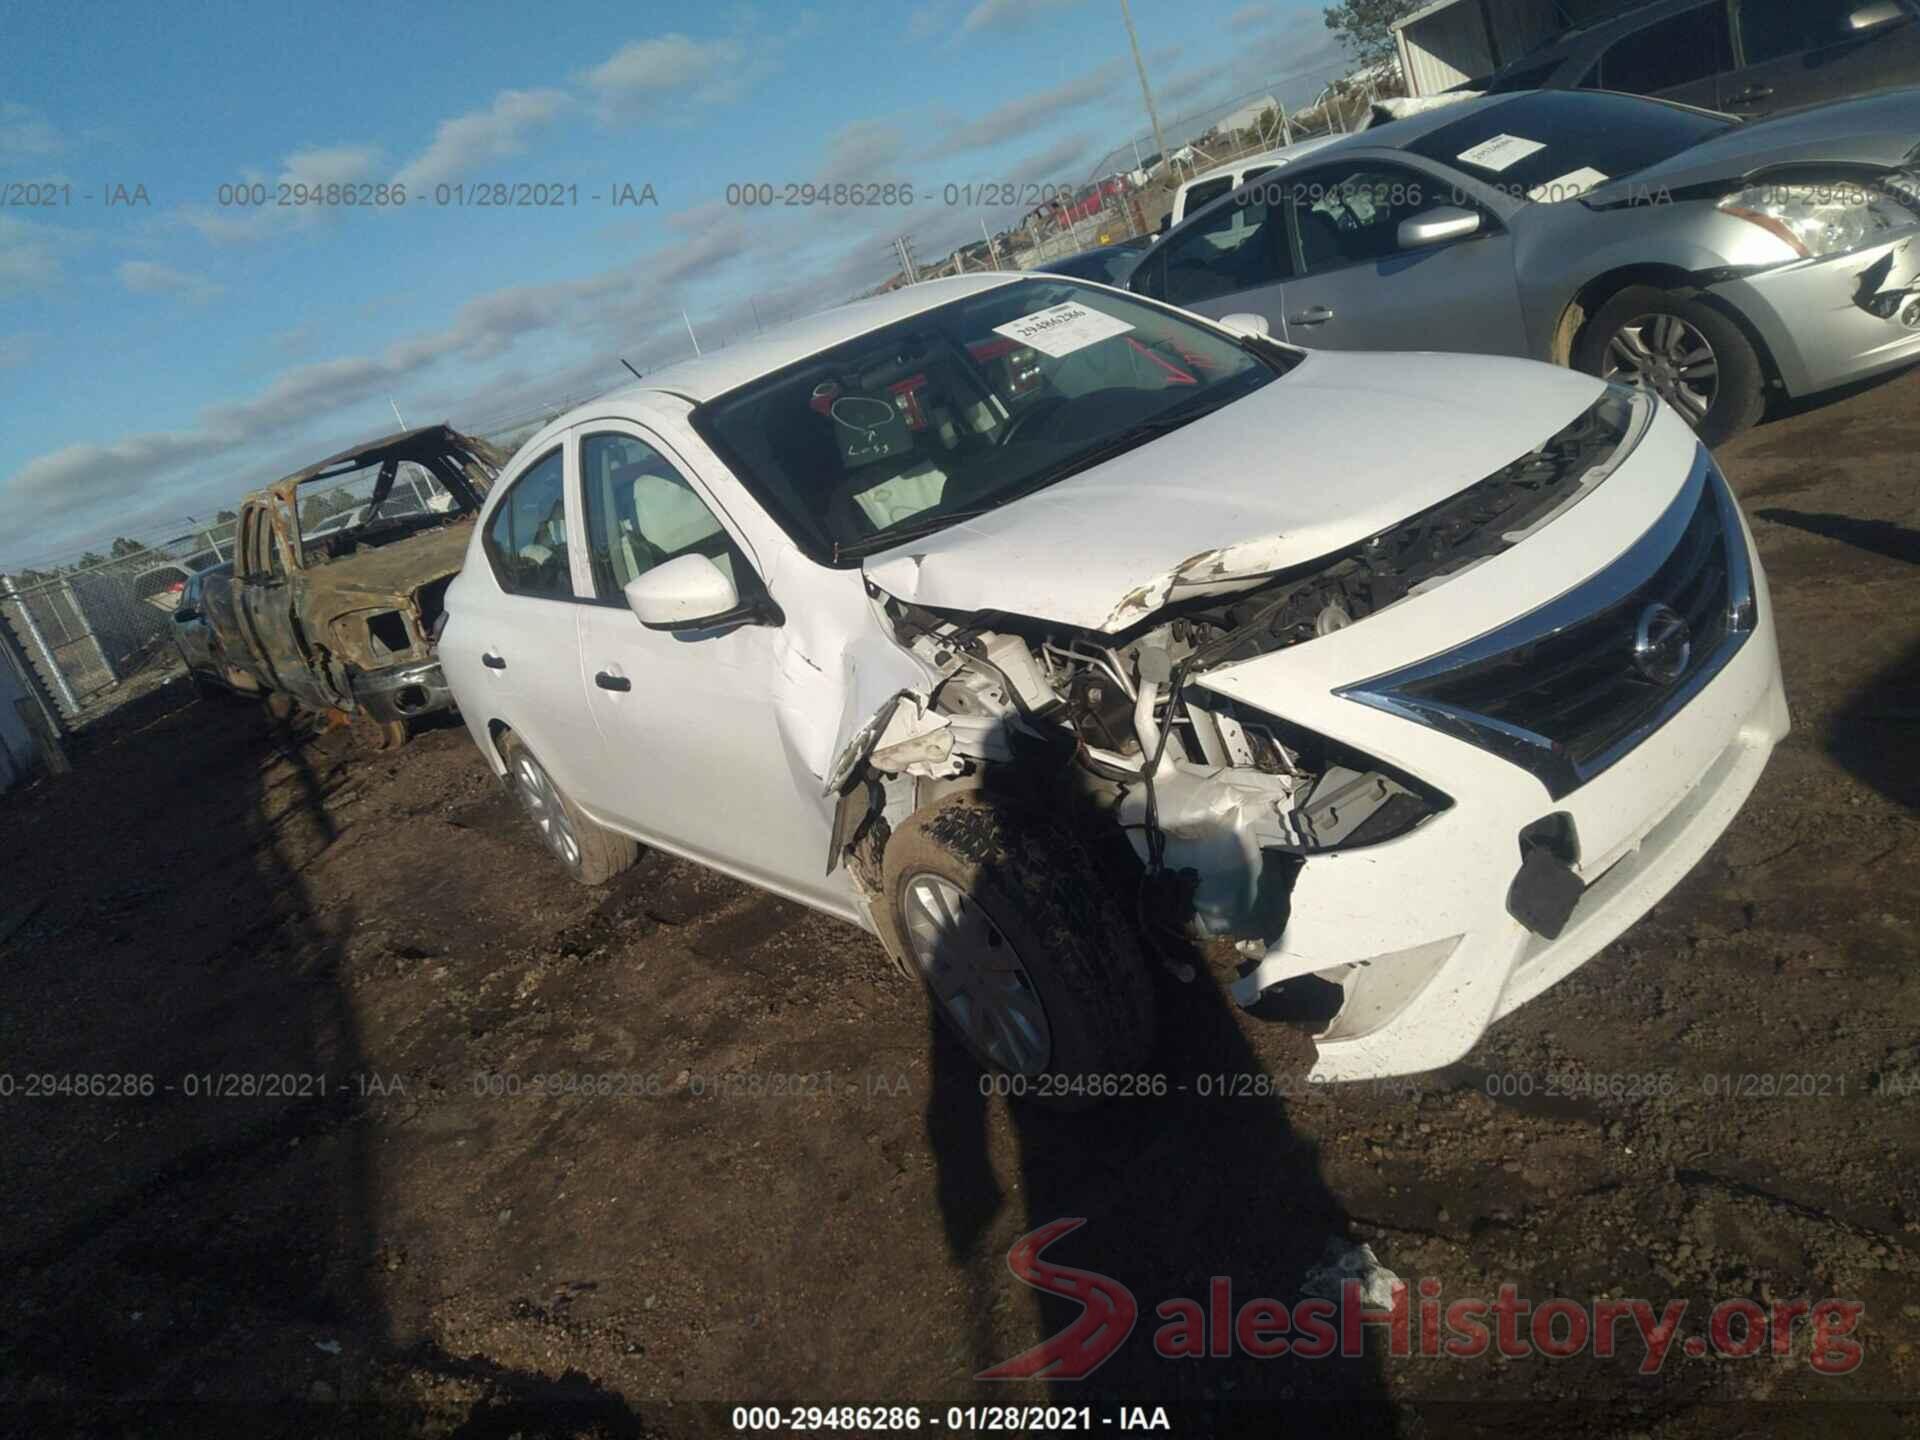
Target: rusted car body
344,621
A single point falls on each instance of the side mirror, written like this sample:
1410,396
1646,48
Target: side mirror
1449,222
1166,222
689,593
1245,323
1872,17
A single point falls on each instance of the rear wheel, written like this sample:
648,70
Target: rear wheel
591,855
1697,358
1026,955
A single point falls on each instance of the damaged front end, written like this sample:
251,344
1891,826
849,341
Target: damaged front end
1222,803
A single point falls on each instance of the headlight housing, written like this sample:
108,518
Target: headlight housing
1826,217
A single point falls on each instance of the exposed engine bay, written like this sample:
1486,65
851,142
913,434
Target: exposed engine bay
1221,803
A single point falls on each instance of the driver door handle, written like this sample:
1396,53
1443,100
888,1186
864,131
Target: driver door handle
1751,94
1316,315
612,682
493,661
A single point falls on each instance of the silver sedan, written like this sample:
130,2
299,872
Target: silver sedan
1715,259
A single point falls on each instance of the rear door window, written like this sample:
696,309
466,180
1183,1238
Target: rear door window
1777,29
1680,50
526,540
1237,245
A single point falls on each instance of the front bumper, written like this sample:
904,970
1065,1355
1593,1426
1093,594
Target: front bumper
1418,930
406,692
1815,318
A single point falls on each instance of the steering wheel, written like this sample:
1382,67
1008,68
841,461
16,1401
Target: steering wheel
1049,405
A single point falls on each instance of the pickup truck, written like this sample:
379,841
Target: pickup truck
340,574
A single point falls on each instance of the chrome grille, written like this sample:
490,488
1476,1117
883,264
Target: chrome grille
1569,688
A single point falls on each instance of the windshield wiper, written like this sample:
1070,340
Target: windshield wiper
908,530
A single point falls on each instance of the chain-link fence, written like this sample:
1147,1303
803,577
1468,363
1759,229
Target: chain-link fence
90,627
96,631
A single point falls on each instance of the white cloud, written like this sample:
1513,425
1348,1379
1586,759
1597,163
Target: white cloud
149,277
1028,113
1250,17
631,82
29,256
25,133
313,165
607,311
1009,14
495,133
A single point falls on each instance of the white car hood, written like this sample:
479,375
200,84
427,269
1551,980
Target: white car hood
1341,448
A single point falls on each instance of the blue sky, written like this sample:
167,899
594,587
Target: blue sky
157,359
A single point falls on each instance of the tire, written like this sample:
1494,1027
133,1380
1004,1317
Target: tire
589,854
1654,327
1005,879
379,734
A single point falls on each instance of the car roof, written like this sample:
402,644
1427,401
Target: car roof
710,376
1267,157
1581,43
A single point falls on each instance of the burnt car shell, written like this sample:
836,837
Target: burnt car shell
346,622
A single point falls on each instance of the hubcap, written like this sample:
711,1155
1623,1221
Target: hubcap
543,806
976,977
1670,355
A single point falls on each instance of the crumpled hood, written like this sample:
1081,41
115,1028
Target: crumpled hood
1878,130
1344,446
394,571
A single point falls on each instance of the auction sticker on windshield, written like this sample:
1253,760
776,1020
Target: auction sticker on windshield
1500,152
1062,329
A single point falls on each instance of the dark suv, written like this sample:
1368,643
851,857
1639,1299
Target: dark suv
1748,57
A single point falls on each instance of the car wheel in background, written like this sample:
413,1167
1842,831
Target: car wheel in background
1696,358
379,734
591,855
1025,953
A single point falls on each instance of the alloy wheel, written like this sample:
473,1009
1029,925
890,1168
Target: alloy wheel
976,977
1672,356
540,798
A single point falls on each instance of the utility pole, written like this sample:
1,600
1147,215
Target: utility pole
1146,91
690,335
757,326
903,250
993,251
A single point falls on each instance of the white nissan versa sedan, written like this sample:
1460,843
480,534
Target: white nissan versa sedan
1022,622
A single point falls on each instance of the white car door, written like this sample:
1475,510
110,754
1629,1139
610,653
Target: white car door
692,756
518,615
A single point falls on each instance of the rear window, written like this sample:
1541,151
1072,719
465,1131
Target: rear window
1550,136
1206,192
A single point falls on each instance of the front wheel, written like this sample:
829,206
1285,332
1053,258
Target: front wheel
1026,954
1697,358
591,855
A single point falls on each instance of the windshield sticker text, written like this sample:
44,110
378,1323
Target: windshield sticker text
1063,329
1500,152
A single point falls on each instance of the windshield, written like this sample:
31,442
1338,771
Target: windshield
1560,142
963,408
342,505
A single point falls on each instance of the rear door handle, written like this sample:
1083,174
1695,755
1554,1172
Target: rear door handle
1752,94
1317,315
493,661
612,682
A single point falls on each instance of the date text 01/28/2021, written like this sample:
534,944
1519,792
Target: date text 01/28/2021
958,1419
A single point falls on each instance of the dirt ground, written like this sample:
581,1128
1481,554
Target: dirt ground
416,1230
